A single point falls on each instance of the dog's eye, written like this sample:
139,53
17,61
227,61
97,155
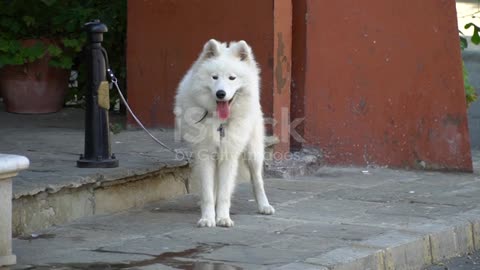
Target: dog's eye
215,77
232,78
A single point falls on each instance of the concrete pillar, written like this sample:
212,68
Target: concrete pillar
10,165
282,59
379,88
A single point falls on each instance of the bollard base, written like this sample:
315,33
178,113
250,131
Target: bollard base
93,163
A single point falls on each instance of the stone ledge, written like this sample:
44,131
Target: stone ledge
10,165
44,209
51,182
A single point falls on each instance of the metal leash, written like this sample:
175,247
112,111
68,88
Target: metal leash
114,80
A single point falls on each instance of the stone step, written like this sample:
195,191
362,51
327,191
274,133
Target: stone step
102,193
10,165
54,191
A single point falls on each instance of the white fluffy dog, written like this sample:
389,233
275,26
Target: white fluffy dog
218,111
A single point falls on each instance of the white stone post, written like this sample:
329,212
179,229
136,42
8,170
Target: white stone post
10,165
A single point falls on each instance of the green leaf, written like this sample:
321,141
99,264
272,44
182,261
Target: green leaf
35,52
15,60
15,27
62,62
470,93
4,45
49,2
75,44
29,21
476,36
54,50
468,25
463,43
15,45
3,60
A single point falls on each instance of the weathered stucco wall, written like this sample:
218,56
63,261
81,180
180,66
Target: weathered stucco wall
166,36
377,83
381,82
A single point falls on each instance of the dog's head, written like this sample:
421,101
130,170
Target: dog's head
227,72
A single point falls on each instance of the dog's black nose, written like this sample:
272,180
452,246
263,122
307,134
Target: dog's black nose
221,94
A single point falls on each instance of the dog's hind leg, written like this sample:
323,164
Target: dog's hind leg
204,169
255,155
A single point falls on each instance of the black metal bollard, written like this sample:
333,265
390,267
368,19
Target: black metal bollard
97,136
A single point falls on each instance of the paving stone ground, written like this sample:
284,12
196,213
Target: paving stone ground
467,262
53,143
340,218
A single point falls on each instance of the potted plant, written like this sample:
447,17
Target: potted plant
38,41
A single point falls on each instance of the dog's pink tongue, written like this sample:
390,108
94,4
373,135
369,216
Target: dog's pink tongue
223,109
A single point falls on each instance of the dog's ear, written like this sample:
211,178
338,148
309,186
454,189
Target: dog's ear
211,49
242,50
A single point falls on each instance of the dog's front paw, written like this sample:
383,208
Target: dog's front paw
225,222
206,222
266,210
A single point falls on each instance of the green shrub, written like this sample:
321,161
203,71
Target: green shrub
58,26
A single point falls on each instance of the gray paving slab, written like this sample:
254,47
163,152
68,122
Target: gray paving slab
53,143
301,266
466,262
346,219
338,218
350,258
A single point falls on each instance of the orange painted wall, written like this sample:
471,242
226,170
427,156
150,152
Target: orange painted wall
166,36
380,82
377,83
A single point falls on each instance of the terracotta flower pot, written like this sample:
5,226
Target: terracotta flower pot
34,87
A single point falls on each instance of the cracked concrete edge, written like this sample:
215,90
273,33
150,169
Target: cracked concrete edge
407,249
45,209
104,178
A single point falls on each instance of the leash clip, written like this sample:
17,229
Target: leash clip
111,76
221,130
